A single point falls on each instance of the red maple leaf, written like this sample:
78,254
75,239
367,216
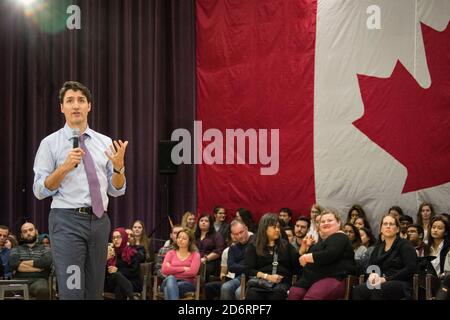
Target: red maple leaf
409,122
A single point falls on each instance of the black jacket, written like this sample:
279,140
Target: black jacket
288,263
333,257
398,263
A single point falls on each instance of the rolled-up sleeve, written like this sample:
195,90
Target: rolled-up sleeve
112,191
44,165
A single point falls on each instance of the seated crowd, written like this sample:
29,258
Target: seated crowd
276,259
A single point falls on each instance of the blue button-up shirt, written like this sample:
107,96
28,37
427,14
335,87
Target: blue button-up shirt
74,189
4,257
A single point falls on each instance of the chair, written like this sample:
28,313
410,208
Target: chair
432,284
145,272
350,282
415,285
199,281
15,285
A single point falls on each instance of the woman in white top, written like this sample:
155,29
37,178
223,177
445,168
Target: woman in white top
439,242
316,211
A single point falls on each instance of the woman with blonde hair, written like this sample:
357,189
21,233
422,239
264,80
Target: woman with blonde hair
326,264
188,221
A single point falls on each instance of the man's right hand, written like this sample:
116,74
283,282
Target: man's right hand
73,158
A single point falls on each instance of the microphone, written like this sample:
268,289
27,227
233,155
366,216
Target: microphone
75,139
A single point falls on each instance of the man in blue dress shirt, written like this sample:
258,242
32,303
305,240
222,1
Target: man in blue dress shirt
79,180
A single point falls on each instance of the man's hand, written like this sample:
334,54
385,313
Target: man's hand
117,154
73,158
27,266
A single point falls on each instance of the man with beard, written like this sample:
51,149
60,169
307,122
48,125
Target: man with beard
32,261
300,230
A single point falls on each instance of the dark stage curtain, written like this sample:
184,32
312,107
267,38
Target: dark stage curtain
138,59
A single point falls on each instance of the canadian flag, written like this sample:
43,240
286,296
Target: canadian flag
359,91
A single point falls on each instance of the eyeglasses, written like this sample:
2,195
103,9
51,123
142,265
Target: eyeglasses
117,237
390,224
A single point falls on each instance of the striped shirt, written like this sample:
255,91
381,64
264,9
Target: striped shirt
41,256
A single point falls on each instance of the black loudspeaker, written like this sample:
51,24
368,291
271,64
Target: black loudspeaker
165,164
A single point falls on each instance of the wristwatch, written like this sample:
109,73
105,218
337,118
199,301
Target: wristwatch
121,171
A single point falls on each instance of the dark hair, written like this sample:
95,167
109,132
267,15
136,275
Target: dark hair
211,230
365,221
247,219
445,221
372,240
267,220
306,219
217,208
396,208
359,209
191,247
356,243
419,229
405,217
288,228
75,86
419,213
287,210
3,227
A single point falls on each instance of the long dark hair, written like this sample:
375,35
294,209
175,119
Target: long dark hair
356,243
247,219
267,220
445,221
359,209
419,213
198,232
372,240
143,241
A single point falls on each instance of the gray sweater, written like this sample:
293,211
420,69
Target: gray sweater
41,256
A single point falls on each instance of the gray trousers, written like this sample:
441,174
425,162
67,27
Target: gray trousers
79,249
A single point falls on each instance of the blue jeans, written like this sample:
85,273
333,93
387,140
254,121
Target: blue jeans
174,288
231,289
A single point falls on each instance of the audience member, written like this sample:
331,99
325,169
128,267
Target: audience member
181,266
230,290
285,214
220,225
122,274
327,264
424,215
300,230
188,221
32,261
210,245
415,236
141,242
356,211
269,258
4,252
245,216
169,245
439,242
397,262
